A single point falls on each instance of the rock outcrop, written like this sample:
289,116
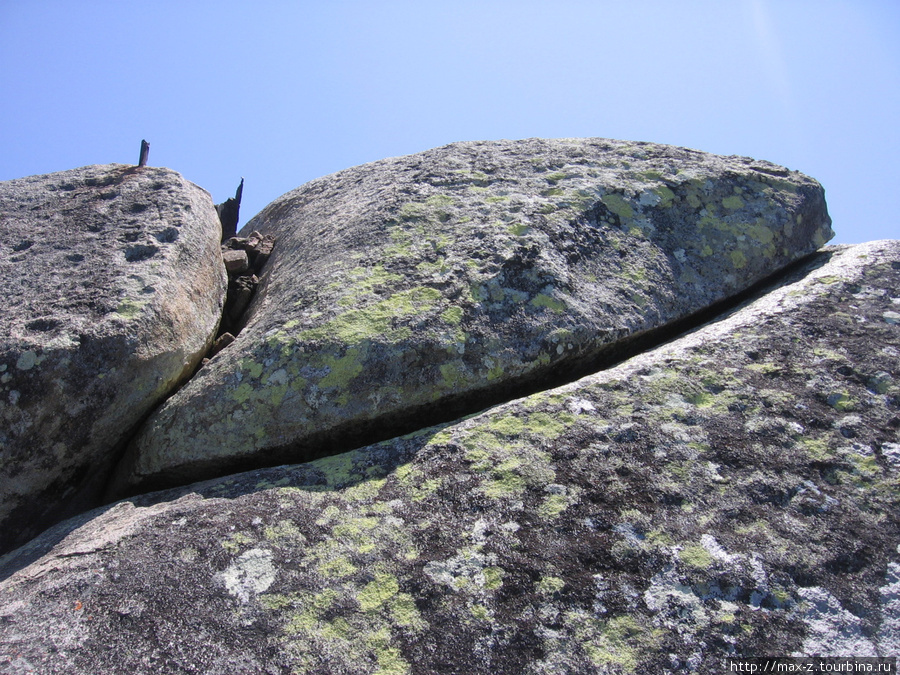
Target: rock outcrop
731,493
114,285
419,288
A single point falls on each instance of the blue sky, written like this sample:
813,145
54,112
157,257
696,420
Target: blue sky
283,92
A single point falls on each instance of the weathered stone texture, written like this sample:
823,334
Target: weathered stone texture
420,287
113,288
735,492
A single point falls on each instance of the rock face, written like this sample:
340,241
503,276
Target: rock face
113,288
731,493
419,288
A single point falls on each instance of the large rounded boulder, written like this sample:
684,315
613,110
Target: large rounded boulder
113,289
419,288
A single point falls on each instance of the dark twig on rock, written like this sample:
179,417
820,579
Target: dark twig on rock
145,153
229,211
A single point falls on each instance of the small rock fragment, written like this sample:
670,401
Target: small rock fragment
235,261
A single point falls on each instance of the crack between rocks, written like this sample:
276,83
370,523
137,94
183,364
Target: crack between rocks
357,434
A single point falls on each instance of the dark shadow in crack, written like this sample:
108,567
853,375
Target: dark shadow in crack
331,473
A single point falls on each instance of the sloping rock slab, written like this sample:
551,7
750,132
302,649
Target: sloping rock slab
413,289
113,287
732,493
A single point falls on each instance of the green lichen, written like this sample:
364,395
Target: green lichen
555,177
376,322
454,375
341,370
377,592
236,542
618,205
284,529
452,315
695,555
480,612
506,480
495,372
129,309
339,470
366,490
251,368
619,643
733,203
842,401
666,196
761,233
390,662
276,601
405,613
362,281
546,301
553,506
439,267
337,568
493,578
738,259
548,585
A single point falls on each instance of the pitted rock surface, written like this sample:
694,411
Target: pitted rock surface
731,493
416,288
113,289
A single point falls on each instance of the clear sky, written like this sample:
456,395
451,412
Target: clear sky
283,92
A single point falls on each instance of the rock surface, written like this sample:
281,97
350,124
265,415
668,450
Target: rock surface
414,289
113,288
731,493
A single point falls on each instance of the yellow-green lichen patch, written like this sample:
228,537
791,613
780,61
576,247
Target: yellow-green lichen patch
665,194
378,592
696,555
552,506
284,530
761,233
546,301
452,315
130,309
618,643
733,203
413,480
337,567
549,585
455,375
341,370
236,542
367,489
376,322
738,259
404,612
493,578
340,470
841,401
618,205
357,532
438,268
507,464
819,449
363,281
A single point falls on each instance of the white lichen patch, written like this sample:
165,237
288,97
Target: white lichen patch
888,638
251,574
830,629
